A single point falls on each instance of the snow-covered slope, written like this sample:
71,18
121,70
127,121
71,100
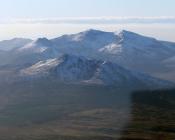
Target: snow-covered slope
121,43
85,43
39,45
66,68
69,68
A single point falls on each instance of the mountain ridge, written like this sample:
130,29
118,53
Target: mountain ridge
73,69
127,49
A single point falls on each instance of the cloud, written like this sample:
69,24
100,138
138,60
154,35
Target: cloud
91,20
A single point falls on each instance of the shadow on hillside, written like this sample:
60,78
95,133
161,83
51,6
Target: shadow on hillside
152,116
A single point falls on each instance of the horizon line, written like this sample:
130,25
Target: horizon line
92,20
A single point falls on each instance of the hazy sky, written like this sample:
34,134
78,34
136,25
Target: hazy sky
50,18
81,8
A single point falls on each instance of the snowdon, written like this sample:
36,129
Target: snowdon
91,57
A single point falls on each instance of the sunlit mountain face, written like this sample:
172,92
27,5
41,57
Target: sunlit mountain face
93,85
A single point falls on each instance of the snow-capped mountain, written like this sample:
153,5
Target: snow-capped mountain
128,49
69,68
116,47
122,43
66,68
38,46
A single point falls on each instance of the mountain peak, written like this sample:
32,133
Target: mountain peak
132,35
94,32
39,45
125,33
68,58
43,41
70,68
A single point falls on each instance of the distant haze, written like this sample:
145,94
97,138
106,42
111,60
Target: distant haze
162,31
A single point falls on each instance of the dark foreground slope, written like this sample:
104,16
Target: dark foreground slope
152,116
47,110
53,111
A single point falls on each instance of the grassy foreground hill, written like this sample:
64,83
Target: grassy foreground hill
47,110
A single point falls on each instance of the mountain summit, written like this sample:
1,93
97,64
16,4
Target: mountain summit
73,69
127,49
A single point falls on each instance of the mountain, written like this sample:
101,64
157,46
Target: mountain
42,47
121,43
8,45
127,48
85,43
131,50
80,86
39,45
30,53
2,52
74,69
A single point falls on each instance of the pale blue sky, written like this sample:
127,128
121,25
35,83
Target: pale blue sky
46,18
84,8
